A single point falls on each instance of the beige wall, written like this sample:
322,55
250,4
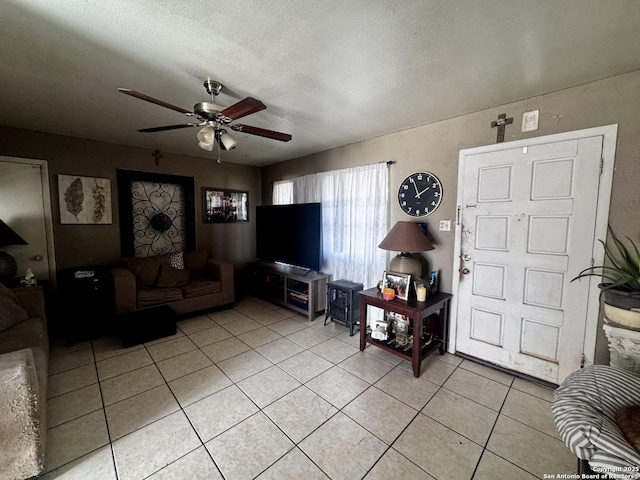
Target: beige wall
435,148
77,245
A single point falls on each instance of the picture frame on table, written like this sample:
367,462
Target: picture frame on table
221,205
400,282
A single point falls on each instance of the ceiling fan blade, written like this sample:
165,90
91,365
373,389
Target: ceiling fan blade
243,108
167,127
262,132
149,99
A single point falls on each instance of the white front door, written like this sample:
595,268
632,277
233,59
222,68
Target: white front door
25,207
528,219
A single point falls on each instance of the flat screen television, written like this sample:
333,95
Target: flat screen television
290,234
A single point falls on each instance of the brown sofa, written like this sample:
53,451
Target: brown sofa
144,282
24,363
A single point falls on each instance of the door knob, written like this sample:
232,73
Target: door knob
466,257
38,258
465,271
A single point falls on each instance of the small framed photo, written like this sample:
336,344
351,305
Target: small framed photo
400,282
224,206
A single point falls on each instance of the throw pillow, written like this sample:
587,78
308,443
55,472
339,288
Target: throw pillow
145,269
176,260
11,310
172,277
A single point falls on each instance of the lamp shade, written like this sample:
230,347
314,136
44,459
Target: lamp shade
8,266
9,237
206,146
228,142
205,138
406,237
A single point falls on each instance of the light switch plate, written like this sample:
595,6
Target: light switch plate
445,225
530,120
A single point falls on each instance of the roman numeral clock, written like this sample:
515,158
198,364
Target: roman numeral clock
420,194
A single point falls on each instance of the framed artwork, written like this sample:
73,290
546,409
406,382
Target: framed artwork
224,206
157,213
84,200
400,282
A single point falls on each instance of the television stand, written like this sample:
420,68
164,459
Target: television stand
291,287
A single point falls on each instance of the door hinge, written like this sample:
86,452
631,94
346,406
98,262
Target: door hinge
592,262
458,215
582,361
601,165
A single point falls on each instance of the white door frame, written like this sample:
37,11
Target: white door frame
609,134
46,207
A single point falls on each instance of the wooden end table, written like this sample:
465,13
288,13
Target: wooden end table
416,312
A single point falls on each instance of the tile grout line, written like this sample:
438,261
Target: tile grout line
104,414
486,443
195,431
485,448
110,443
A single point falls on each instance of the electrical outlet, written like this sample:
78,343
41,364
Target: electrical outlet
445,225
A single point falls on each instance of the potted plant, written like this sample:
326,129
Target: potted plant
621,281
621,292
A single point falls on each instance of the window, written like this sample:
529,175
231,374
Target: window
354,217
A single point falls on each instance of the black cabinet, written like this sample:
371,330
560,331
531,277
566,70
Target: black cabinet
85,302
343,303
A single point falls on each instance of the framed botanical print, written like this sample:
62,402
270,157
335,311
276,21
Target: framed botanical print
224,206
84,200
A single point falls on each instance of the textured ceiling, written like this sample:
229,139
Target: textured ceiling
331,72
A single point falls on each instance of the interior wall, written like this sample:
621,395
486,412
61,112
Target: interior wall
435,148
78,245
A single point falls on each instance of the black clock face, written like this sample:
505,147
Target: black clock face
420,194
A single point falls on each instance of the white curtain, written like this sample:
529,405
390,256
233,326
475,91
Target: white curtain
283,192
354,218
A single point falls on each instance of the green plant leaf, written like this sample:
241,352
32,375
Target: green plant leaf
623,273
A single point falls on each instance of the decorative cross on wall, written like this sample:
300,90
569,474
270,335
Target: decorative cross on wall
157,156
501,122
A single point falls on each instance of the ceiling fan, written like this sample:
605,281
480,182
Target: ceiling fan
213,118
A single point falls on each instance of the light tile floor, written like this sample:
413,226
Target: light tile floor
259,392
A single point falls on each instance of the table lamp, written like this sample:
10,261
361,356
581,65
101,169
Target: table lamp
406,237
8,266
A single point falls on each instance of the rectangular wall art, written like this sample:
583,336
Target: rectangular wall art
224,206
84,200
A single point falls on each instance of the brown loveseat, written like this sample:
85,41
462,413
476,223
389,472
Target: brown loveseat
24,361
196,283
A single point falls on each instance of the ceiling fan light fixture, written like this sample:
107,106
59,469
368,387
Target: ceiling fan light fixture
206,146
206,135
227,140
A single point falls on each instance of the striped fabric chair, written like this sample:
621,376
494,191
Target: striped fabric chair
584,408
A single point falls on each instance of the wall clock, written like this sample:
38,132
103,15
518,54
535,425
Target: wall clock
420,194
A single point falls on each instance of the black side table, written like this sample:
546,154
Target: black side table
343,303
85,302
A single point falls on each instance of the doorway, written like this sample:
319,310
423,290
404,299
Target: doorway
529,216
25,205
